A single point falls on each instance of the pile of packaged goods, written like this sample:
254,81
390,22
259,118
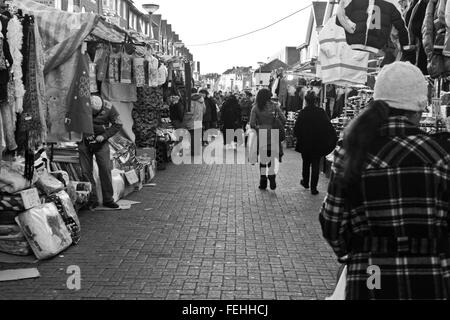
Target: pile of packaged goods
38,215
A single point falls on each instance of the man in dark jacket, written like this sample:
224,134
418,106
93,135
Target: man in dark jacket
106,124
316,138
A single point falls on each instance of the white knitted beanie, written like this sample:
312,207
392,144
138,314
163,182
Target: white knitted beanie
402,86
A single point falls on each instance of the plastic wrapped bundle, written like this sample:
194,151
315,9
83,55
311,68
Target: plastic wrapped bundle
45,230
68,214
13,241
11,177
49,184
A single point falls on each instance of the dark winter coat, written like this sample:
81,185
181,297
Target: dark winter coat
433,32
231,113
315,133
414,17
386,14
211,111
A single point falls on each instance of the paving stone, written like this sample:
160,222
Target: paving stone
212,234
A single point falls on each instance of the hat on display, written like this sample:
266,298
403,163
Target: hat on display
402,86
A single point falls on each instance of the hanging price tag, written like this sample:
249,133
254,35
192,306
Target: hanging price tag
132,177
30,198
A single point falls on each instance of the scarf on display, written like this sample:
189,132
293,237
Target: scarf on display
8,114
4,68
32,126
15,41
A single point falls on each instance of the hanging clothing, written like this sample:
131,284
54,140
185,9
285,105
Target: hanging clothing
433,33
414,18
370,32
162,74
8,113
338,62
146,115
15,41
444,17
79,111
32,126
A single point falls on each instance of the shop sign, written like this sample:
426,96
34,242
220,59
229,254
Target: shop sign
132,177
30,198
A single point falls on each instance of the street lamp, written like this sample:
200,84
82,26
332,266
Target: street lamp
151,9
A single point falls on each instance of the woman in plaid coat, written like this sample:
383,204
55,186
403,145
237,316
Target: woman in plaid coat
389,196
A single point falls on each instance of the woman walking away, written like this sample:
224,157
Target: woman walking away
316,138
388,198
263,116
230,117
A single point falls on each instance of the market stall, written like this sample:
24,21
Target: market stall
50,63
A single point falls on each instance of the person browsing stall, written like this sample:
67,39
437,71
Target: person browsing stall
106,124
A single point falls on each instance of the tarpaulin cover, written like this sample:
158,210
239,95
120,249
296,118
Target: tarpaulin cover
63,32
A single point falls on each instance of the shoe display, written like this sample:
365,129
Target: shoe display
306,186
111,205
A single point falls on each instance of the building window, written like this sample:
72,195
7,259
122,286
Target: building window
83,9
58,4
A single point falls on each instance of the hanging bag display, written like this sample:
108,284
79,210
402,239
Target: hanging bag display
139,74
113,68
125,66
92,76
101,60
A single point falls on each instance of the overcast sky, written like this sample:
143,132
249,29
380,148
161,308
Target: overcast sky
199,21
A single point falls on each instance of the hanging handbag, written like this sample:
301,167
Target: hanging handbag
125,67
278,124
139,73
113,68
101,59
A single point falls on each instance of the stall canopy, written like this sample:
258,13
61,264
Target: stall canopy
63,32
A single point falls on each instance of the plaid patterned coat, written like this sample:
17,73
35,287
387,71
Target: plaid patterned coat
397,218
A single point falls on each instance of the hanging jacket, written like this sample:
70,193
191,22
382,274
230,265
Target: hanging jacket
338,63
370,32
433,40
414,17
444,18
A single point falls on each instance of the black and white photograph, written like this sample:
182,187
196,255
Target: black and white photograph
229,156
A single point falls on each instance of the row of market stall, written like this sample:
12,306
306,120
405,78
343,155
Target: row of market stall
51,62
349,60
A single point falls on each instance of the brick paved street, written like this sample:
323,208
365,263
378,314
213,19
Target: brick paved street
205,232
